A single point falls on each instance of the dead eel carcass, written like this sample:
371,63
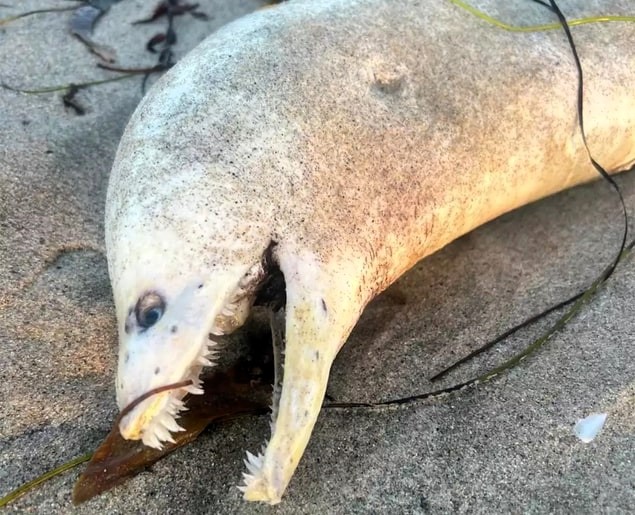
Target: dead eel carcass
335,143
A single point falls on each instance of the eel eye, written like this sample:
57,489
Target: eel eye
149,309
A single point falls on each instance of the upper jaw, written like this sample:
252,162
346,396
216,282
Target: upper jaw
156,362
154,419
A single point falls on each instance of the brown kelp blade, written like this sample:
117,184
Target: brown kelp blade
243,389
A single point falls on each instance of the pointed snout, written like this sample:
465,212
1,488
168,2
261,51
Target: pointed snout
132,425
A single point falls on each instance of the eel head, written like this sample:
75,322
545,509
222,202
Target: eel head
168,336
170,301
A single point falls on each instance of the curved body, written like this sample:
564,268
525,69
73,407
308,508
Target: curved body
353,138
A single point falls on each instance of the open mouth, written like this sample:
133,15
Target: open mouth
155,414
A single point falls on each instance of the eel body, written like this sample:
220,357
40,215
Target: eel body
337,142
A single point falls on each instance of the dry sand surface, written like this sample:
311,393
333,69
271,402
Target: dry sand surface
506,446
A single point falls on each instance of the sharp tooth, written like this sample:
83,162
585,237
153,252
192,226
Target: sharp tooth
170,424
163,434
194,390
242,488
175,406
256,461
216,331
205,362
247,478
151,440
250,467
227,312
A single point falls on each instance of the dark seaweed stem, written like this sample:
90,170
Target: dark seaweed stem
176,8
70,100
82,25
66,87
5,21
83,22
166,56
132,71
70,90
150,393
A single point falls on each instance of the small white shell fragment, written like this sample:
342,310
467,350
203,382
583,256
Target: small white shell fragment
586,429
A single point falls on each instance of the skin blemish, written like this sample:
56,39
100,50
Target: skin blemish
388,79
317,355
127,357
157,370
127,327
324,306
174,329
200,286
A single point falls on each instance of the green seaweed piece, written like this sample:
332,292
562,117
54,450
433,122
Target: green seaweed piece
538,28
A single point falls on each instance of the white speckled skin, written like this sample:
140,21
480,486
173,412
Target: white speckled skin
360,136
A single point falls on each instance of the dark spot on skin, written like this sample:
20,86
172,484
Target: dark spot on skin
389,85
306,414
317,355
200,286
324,306
157,370
174,329
127,357
127,327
